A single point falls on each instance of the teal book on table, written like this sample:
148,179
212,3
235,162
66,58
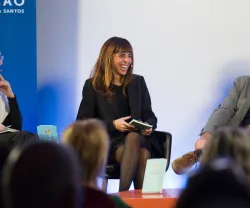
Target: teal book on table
154,175
47,132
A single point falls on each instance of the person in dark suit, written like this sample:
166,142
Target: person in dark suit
10,116
115,95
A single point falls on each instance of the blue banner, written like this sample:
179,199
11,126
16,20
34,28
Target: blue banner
18,46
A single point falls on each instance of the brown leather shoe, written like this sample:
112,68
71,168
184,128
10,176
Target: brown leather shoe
184,163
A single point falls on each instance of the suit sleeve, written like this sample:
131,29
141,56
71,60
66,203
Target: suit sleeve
147,112
87,107
14,118
222,115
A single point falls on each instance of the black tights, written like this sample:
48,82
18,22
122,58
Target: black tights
132,156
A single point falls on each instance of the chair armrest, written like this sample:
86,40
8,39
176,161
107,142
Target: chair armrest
165,139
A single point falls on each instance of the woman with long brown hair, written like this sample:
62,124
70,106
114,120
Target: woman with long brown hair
115,95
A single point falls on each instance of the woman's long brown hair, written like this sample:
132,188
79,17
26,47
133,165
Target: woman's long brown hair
102,74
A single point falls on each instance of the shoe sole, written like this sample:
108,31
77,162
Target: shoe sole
174,169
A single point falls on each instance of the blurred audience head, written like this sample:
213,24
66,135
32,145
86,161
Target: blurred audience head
90,140
4,152
233,143
218,184
42,174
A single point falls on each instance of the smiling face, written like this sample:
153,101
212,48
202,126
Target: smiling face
114,64
122,62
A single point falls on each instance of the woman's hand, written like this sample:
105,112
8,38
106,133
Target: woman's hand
121,124
146,132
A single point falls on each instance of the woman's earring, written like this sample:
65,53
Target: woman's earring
131,65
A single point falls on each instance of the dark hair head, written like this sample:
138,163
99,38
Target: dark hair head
221,183
42,174
4,152
102,75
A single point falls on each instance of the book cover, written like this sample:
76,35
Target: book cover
154,175
47,132
140,125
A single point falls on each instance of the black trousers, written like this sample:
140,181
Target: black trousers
12,139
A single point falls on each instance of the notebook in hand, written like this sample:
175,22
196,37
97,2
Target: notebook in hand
154,175
140,125
7,129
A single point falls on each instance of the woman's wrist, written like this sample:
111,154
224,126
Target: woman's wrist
114,124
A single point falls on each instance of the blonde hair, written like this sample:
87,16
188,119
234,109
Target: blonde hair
229,142
90,140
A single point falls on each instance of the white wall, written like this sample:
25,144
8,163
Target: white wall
189,52
57,36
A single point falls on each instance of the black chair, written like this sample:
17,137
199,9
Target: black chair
165,140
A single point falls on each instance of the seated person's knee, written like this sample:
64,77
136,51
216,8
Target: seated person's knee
145,153
133,137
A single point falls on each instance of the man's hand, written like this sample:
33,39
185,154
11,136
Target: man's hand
202,141
2,127
121,124
5,87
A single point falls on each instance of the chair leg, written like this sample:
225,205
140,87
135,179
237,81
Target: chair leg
104,185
